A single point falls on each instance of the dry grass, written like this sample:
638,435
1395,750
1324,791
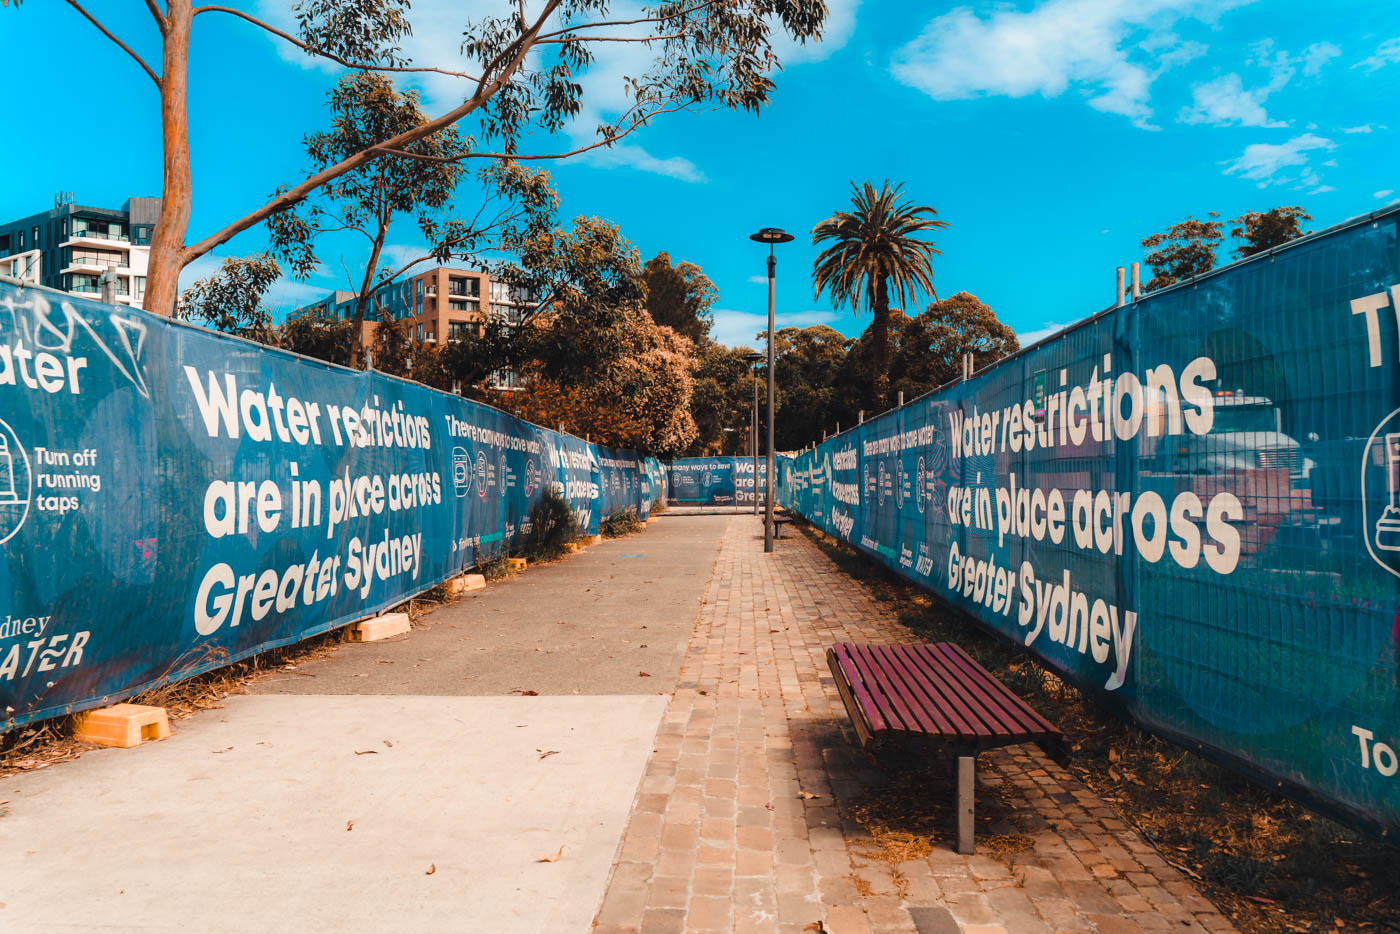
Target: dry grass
1271,864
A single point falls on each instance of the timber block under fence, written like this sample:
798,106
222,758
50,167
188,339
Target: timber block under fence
516,564
123,725
584,540
572,547
465,583
379,627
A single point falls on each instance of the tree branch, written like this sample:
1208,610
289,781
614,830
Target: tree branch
161,23
358,66
515,157
508,61
122,45
568,39
626,22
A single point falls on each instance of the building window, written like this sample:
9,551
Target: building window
458,330
455,305
461,285
21,239
138,287
91,257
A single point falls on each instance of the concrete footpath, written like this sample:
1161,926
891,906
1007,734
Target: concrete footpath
391,786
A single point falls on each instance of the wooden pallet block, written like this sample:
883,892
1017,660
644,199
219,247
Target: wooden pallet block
123,725
466,583
379,627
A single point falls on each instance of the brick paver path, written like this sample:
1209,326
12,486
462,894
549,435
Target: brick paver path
724,838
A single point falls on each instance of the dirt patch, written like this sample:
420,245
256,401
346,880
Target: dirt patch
1268,862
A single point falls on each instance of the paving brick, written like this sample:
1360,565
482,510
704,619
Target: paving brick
720,818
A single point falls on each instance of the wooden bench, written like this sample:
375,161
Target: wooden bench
936,693
778,523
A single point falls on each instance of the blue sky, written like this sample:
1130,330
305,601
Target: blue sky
1051,135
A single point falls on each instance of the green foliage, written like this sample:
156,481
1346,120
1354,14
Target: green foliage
494,568
325,338
679,297
620,523
587,280
1183,251
552,526
231,299
811,396
873,247
722,401
1262,230
932,344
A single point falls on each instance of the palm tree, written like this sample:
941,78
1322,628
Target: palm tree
874,247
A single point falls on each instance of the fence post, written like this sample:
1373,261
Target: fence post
860,417
1120,288
1137,284
900,403
108,283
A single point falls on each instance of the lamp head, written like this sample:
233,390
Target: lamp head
772,235
752,358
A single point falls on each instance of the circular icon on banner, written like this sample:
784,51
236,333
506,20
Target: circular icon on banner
1380,493
461,471
532,477
880,484
501,477
15,482
481,469
919,489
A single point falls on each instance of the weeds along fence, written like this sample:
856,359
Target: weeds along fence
173,499
1188,505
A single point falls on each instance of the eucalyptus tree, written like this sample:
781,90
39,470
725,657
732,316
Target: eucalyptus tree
522,69
1263,230
876,250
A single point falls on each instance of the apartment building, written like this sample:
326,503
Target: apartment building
440,304
70,246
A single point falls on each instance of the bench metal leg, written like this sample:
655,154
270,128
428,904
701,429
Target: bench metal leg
967,787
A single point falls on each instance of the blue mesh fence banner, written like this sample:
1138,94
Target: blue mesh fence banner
1189,506
715,481
172,499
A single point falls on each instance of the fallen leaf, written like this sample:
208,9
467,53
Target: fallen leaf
349,825
389,744
526,693
432,868
546,753
807,795
643,674
366,752
553,857
769,805
218,751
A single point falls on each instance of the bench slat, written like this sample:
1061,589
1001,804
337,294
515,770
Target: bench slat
1023,711
931,695
916,714
937,690
870,711
982,692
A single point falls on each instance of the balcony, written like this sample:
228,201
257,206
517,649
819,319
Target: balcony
94,238
95,266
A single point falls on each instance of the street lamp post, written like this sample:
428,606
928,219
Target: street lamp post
770,236
751,359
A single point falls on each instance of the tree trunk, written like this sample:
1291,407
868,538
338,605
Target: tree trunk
168,239
880,349
357,355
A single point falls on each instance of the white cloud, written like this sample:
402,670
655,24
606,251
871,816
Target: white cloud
1224,101
1111,51
1322,189
758,280
1364,128
840,23
635,157
1387,53
1383,193
1331,163
1317,55
1042,332
739,328
1262,162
